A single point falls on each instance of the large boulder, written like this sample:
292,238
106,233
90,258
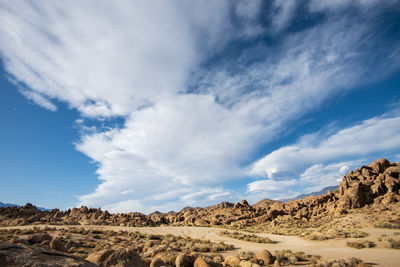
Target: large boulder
183,260
232,260
359,195
157,262
56,244
26,255
119,258
39,238
200,262
380,165
265,256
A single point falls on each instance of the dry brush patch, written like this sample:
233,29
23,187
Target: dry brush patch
389,241
246,237
360,244
324,232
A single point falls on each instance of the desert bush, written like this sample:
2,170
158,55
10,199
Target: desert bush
360,244
246,237
394,243
383,224
246,255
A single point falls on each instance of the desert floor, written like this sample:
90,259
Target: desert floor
330,248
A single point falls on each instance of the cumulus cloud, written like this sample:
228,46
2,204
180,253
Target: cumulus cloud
313,179
195,109
379,134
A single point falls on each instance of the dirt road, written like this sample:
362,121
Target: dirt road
330,248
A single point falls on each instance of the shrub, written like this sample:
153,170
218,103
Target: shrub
360,244
246,237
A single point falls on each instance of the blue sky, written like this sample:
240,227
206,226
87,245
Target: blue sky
143,106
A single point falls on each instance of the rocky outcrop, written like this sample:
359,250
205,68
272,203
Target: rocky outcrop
29,214
377,182
368,183
26,255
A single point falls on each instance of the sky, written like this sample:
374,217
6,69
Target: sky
158,105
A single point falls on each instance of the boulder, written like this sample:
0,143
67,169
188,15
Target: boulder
393,171
39,238
265,256
119,258
359,195
380,165
200,262
56,244
157,262
183,260
232,260
390,198
244,202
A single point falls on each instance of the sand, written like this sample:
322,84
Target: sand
333,249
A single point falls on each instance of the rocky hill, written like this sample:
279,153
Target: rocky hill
378,182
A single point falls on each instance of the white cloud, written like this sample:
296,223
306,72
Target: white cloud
39,99
379,134
318,5
189,126
91,54
282,13
313,179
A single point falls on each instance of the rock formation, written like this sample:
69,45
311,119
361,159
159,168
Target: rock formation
377,182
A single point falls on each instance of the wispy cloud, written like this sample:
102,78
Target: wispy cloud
196,108
38,99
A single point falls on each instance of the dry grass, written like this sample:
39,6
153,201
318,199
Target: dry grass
360,244
387,225
247,237
320,233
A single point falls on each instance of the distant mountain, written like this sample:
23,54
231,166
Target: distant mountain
321,192
5,205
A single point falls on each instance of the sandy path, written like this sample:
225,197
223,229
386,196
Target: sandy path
330,248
